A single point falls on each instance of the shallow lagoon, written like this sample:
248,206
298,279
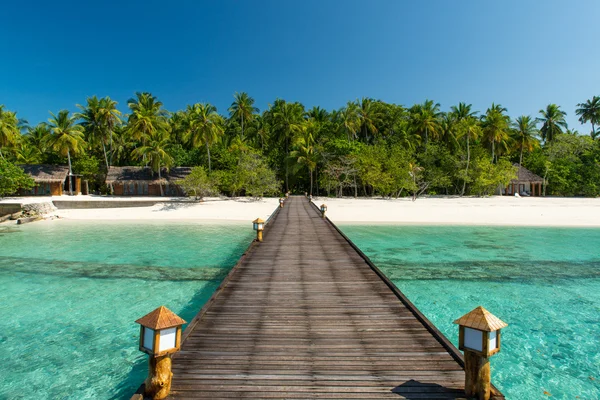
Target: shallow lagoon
544,282
72,291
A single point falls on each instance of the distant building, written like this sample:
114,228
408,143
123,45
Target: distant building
141,181
526,184
50,180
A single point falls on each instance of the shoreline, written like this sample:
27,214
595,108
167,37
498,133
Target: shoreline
429,211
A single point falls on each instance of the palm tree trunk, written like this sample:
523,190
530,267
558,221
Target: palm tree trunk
493,143
467,169
521,155
208,154
160,182
70,173
105,156
242,126
311,182
287,188
356,188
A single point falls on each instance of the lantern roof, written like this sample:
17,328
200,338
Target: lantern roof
258,221
323,205
481,319
161,318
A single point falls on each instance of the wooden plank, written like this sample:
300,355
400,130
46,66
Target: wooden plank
305,314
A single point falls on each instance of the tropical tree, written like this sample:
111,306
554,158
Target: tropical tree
13,178
9,128
154,151
590,112
66,138
287,121
369,115
349,120
304,149
469,128
35,135
525,132
203,126
496,128
242,109
553,121
100,118
425,119
148,117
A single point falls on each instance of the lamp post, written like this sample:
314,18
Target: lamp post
258,225
310,197
281,202
323,210
479,338
287,195
160,336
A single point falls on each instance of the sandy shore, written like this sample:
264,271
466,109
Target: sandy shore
509,211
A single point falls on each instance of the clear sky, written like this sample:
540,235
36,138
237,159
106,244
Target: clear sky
521,54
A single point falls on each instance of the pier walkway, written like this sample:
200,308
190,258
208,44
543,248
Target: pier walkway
304,314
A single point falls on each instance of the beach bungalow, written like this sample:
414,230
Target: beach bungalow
141,181
50,180
526,184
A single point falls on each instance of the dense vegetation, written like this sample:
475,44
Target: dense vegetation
368,147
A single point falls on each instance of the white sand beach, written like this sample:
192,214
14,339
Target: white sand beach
495,210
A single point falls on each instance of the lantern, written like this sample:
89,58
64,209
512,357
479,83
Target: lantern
479,332
259,226
281,202
323,210
160,332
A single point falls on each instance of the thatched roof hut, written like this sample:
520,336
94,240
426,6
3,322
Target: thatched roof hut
525,175
140,181
42,173
526,183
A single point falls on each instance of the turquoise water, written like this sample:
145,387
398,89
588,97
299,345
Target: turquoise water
544,282
71,292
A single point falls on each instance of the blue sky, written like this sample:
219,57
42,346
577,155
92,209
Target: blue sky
521,54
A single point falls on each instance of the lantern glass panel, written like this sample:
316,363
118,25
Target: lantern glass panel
255,225
260,226
148,339
473,339
493,340
167,339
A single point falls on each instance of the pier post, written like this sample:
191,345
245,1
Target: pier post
160,336
323,210
281,202
479,338
258,225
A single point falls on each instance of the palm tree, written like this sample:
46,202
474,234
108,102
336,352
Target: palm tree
100,118
9,128
147,117
369,115
553,120
66,138
496,127
590,111
525,133
470,128
462,111
36,135
154,151
349,120
304,148
242,108
425,119
287,121
203,125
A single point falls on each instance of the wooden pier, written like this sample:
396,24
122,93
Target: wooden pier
304,314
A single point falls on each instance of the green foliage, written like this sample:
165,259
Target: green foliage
13,178
488,178
86,165
198,183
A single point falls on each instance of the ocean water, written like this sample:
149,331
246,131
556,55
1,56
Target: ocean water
544,282
72,290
